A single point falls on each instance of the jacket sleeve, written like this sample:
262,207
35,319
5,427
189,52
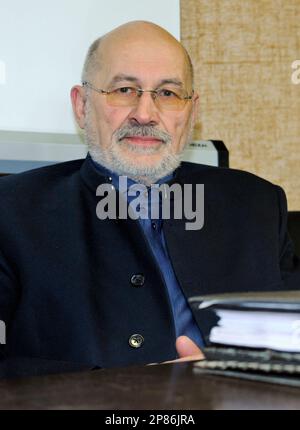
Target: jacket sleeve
289,262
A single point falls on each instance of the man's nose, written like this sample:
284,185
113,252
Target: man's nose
145,111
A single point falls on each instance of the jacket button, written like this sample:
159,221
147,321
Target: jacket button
136,340
137,280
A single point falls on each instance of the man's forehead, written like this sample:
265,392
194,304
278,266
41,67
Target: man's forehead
138,61
139,49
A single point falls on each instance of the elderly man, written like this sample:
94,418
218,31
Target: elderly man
80,289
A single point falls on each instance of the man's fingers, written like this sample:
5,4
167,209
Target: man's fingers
186,348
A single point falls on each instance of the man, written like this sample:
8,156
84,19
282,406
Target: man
78,290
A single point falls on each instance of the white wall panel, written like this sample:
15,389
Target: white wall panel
42,49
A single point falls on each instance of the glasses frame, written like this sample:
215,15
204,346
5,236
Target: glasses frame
139,91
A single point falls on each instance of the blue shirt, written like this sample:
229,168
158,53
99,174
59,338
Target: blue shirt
153,230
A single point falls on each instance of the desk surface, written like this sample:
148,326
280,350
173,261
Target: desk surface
164,387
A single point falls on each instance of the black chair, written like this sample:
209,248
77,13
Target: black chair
294,230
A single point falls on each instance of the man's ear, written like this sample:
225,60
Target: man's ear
78,99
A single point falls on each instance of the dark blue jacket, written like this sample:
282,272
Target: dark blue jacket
66,294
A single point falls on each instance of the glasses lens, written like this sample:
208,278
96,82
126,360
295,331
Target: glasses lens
170,101
124,96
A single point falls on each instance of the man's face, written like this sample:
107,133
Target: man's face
147,66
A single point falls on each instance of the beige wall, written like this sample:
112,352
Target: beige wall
242,52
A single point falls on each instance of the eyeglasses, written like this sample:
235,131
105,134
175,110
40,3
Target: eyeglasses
165,98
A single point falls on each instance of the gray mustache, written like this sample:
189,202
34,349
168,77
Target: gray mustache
142,130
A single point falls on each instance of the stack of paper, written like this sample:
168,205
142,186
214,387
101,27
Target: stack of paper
261,320
258,329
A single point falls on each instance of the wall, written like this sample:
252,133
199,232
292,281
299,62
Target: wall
243,51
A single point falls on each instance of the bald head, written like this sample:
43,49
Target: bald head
133,36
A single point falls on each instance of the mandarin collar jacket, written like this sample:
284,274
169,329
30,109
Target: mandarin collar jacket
67,294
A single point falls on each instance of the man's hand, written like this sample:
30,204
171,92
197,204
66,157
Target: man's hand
187,350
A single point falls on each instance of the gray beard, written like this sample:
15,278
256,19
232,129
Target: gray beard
140,174
112,159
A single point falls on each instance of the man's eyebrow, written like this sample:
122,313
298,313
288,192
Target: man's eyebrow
122,77
172,81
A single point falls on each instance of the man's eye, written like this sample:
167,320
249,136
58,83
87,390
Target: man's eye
125,90
167,93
